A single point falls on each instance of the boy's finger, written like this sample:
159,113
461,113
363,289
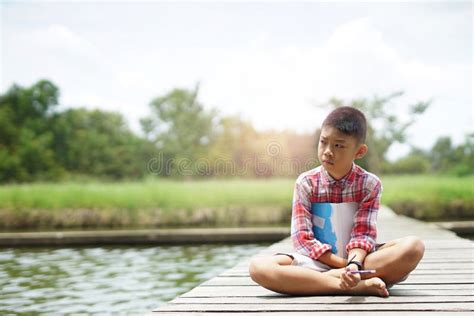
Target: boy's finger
351,283
347,280
350,278
344,282
354,281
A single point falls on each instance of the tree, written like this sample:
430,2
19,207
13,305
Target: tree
464,153
447,158
25,139
181,129
98,143
442,157
384,128
39,143
441,154
416,162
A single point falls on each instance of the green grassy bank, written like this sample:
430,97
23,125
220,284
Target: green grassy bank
157,203
170,203
431,198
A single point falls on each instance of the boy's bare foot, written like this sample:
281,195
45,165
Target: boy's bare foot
336,272
373,286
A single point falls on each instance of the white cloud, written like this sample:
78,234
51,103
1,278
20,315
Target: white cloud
272,78
278,87
65,41
285,83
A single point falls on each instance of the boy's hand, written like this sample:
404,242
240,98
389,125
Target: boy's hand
349,280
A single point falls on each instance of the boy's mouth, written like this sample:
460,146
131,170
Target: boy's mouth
328,162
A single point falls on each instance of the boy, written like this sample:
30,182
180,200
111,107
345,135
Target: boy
333,226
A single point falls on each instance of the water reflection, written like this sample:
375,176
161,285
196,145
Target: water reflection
107,280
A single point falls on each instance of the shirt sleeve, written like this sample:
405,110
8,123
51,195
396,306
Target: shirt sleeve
302,235
364,232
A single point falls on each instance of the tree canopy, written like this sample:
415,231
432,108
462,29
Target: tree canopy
37,142
183,138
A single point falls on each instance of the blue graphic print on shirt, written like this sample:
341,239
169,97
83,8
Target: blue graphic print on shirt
322,226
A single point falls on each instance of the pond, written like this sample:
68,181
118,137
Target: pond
107,280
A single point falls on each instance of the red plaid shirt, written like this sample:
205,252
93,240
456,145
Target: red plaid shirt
317,186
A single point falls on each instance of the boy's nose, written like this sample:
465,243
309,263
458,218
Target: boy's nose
328,152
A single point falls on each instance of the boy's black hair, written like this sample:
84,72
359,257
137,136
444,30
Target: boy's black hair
348,120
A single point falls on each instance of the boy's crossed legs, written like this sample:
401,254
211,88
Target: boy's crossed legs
393,261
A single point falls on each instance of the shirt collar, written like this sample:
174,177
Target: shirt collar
347,180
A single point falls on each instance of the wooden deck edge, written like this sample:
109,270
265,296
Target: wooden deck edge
145,237
459,227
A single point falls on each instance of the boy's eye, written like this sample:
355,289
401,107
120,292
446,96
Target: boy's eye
339,146
322,141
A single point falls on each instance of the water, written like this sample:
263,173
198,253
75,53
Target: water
107,280
467,236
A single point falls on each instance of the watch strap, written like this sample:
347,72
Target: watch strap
357,263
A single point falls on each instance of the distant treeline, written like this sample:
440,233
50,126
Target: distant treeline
181,138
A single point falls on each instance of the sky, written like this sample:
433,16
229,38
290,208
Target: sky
271,62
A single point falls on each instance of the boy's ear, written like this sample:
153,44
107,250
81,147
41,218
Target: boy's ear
363,149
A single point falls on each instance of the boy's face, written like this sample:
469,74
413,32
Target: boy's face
337,151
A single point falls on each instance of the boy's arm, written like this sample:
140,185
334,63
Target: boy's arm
364,231
332,260
357,254
302,227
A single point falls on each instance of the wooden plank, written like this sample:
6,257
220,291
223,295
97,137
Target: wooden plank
432,249
412,279
397,290
467,254
442,245
428,258
447,270
446,259
425,265
320,313
459,256
467,249
442,273
423,268
322,299
456,306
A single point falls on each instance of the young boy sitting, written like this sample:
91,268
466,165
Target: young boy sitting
333,224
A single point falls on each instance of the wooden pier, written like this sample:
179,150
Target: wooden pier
442,284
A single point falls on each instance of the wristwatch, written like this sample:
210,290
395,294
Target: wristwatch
357,263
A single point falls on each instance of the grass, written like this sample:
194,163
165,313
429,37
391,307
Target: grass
165,194
430,197
209,203
433,188
146,204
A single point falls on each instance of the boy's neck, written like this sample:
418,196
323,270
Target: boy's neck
340,177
